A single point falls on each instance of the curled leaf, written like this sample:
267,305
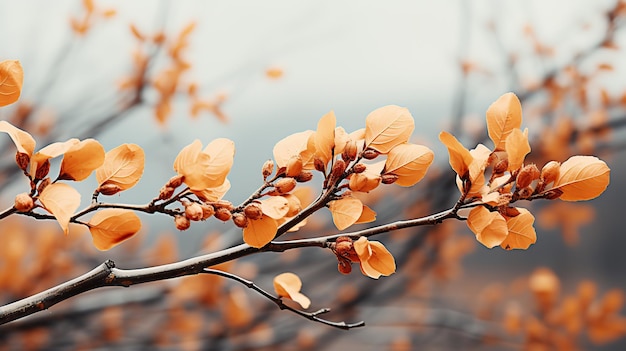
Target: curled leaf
11,79
367,180
50,151
299,144
24,142
490,227
325,137
374,258
62,201
367,215
345,211
110,227
275,206
206,168
123,166
260,231
460,157
288,285
521,231
81,159
517,147
503,116
387,127
409,162
582,178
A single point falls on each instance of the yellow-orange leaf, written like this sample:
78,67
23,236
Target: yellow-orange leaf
293,145
260,231
275,207
62,201
111,226
325,137
409,162
24,142
11,79
81,159
123,166
521,231
517,148
193,164
213,194
582,178
345,211
387,127
504,115
490,227
374,258
50,151
460,157
367,180
289,285
222,153
367,215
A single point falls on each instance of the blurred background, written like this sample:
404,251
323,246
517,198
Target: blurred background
162,73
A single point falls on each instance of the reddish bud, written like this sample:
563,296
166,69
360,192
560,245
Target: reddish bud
388,178
23,202
182,222
194,211
285,185
166,192
509,211
109,189
370,154
304,176
253,211
294,166
524,193
223,214
22,160
319,165
240,220
223,204
501,167
527,175
175,181
359,168
43,184
344,266
268,168
553,194
350,151
550,172
42,170
338,168
207,211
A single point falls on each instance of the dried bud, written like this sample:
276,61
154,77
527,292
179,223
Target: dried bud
343,238
304,176
166,192
343,248
207,211
359,168
182,222
23,202
349,151
524,193
492,158
294,166
505,199
175,181
223,204
359,182
553,194
109,189
240,220
550,172
223,214
43,184
370,154
42,170
509,211
344,267
338,168
501,167
268,168
285,185
22,160
253,211
319,165
194,211
527,175
388,178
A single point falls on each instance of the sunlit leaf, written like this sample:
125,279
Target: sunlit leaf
582,178
460,157
521,231
213,194
275,206
345,211
490,227
367,215
260,231
123,166
387,127
295,144
289,285
50,151
81,159
325,137
409,162
374,258
504,115
23,141
62,201
109,227
11,79
517,148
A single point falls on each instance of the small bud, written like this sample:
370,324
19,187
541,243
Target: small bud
388,178
207,211
22,160
23,202
182,222
501,166
285,185
527,175
240,220
553,194
319,165
294,166
109,189
223,204
509,211
370,154
505,199
344,267
42,170
194,211
166,192
338,168
526,192
359,168
349,151
492,158
43,184
304,177
223,214
175,181
268,168
253,211
343,238
550,172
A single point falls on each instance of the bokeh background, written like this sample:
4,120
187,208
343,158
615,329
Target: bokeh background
256,72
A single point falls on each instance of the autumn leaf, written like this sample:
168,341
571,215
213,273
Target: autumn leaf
213,194
11,79
81,159
50,151
288,285
110,227
275,206
409,162
260,231
345,211
299,144
325,137
489,227
582,178
387,127
504,115
460,157
62,201
521,232
123,166
369,179
367,215
206,168
517,148
23,141
374,258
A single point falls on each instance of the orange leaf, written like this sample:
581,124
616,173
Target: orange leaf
289,285
367,180
409,162
295,145
11,79
345,211
192,163
24,142
325,137
275,207
62,201
582,178
490,227
374,258
109,227
517,148
387,127
50,151
81,159
460,157
504,115
222,153
367,215
213,194
123,166
260,231
521,231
